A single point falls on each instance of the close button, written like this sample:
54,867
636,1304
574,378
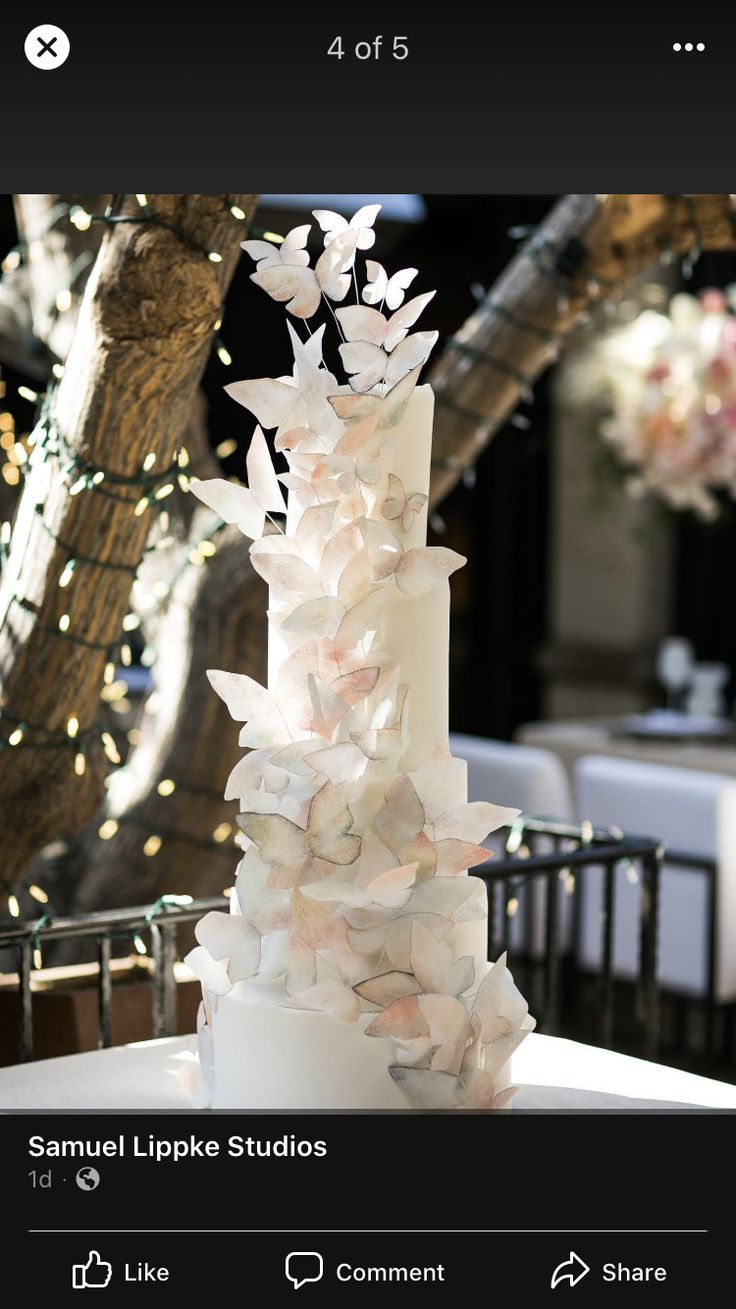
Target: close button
47,47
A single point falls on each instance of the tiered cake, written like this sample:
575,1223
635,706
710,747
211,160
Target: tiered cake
351,970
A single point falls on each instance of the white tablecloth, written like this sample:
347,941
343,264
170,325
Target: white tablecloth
571,740
551,1073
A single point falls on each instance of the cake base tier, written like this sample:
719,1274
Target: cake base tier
268,1056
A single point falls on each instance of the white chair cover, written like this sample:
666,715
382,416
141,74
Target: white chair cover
689,811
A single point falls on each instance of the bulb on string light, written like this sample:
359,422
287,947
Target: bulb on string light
26,393
38,894
139,945
58,370
183,457
195,558
37,958
67,573
64,622
126,655
98,477
72,727
163,519
6,532
108,829
63,301
80,764
512,908
218,325
166,786
79,486
226,448
165,490
222,832
80,219
108,676
131,622
152,846
274,237
183,481
223,354
207,548
142,506
214,257
149,461
16,736
13,906
110,748
238,213
142,201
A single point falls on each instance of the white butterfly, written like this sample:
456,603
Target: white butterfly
291,851
360,324
297,402
386,410
380,287
400,505
370,364
247,507
334,225
302,288
289,251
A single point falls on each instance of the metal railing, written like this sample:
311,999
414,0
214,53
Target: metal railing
574,848
161,919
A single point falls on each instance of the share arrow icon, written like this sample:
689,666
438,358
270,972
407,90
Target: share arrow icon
573,1270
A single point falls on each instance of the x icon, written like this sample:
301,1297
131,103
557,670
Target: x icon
46,47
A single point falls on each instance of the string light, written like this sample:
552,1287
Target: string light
238,213
183,457
108,829
512,908
72,727
16,736
26,393
149,461
80,218
110,748
222,832
226,448
152,846
38,893
67,575
13,906
126,655
166,787
64,623
223,354
80,764
131,622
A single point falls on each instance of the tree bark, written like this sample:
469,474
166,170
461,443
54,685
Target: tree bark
143,338
582,252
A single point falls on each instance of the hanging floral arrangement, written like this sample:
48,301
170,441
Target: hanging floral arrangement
671,382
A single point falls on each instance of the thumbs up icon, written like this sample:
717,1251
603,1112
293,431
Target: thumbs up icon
95,1273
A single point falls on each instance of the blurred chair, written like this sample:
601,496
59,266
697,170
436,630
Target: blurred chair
523,776
534,781
693,814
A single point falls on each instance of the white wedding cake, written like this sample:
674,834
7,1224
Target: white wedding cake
351,971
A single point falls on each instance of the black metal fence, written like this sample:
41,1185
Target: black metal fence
536,851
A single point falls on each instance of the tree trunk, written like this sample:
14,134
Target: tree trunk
143,338
582,252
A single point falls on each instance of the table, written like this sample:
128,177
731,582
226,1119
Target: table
552,1074
570,740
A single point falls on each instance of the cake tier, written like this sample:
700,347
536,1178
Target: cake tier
268,1056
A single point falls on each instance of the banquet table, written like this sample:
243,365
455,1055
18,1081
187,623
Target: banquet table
571,740
551,1073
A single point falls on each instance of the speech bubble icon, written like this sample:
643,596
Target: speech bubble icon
304,1266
